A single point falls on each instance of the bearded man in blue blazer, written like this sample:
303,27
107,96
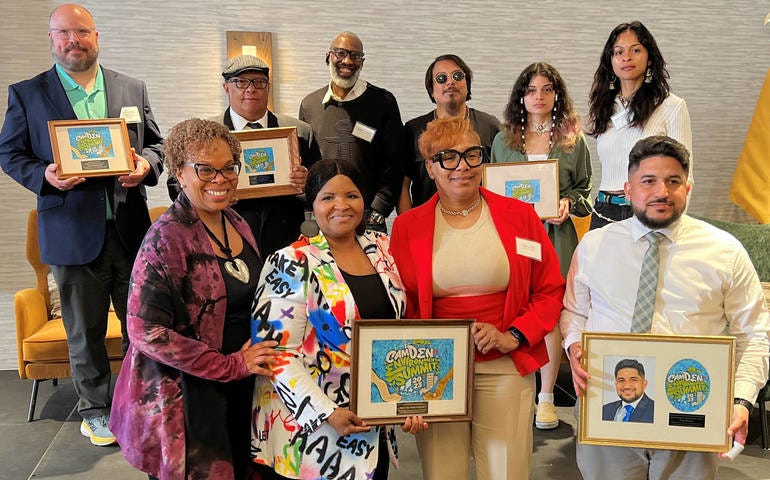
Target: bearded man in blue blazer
89,229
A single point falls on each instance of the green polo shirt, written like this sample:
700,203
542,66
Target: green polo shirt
87,105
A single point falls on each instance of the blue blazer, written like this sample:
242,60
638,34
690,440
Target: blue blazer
643,413
71,224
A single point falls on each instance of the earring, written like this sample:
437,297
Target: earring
648,75
521,100
309,227
612,82
556,98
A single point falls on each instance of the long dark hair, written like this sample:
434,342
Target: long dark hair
601,101
567,124
323,171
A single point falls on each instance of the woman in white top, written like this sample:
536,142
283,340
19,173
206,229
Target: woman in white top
630,100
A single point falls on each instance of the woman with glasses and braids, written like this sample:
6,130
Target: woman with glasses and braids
630,99
469,253
541,124
182,405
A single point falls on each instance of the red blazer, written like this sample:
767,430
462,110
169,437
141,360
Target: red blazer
535,289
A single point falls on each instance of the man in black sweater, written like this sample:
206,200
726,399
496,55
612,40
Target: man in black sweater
357,121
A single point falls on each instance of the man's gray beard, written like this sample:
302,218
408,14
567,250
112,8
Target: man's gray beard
345,83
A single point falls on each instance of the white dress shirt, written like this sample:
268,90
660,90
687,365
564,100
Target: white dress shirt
358,89
707,286
239,123
671,118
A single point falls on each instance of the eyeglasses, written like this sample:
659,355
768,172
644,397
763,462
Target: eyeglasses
450,159
457,76
243,83
207,173
341,53
65,33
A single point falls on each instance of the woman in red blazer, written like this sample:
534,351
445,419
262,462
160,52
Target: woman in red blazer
469,253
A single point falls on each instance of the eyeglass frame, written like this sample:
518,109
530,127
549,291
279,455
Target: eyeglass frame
436,157
457,76
217,171
252,82
354,55
65,33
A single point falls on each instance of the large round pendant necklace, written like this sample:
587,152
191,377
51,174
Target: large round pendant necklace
456,213
235,267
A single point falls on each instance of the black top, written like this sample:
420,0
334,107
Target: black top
370,295
239,299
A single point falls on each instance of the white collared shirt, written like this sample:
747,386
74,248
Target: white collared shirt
707,286
620,413
358,89
239,123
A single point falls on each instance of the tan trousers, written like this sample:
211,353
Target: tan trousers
499,437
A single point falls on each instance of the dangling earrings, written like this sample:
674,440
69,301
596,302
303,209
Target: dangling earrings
648,75
613,79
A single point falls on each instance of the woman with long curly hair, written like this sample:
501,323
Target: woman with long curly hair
541,124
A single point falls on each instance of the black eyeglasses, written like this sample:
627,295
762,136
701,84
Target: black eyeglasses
207,173
341,53
457,76
243,83
450,159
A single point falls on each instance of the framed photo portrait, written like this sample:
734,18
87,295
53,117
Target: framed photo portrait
402,368
91,148
531,182
657,391
267,158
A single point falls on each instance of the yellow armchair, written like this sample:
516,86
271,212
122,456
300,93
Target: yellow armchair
41,342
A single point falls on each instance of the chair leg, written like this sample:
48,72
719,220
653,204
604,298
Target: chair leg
55,382
763,419
33,400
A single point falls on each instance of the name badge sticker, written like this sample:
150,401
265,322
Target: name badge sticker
364,132
529,249
130,114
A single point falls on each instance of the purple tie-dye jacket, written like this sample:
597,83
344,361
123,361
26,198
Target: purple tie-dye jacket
176,312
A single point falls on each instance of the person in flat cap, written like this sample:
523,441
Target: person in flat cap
274,221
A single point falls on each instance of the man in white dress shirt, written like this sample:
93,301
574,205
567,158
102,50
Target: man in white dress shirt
707,285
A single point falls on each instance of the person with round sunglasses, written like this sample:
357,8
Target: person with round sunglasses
470,253
541,124
630,99
448,83
182,406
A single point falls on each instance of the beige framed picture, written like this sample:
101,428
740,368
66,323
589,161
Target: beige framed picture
536,183
267,159
657,391
90,148
402,368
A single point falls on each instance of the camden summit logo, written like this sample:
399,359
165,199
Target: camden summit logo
687,385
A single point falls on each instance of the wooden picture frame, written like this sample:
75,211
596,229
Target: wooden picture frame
267,158
402,368
688,385
536,183
91,148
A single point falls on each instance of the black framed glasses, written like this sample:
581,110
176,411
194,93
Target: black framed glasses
207,173
457,76
341,53
243,83
450,159
65,33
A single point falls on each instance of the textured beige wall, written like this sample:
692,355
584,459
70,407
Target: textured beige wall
717,54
